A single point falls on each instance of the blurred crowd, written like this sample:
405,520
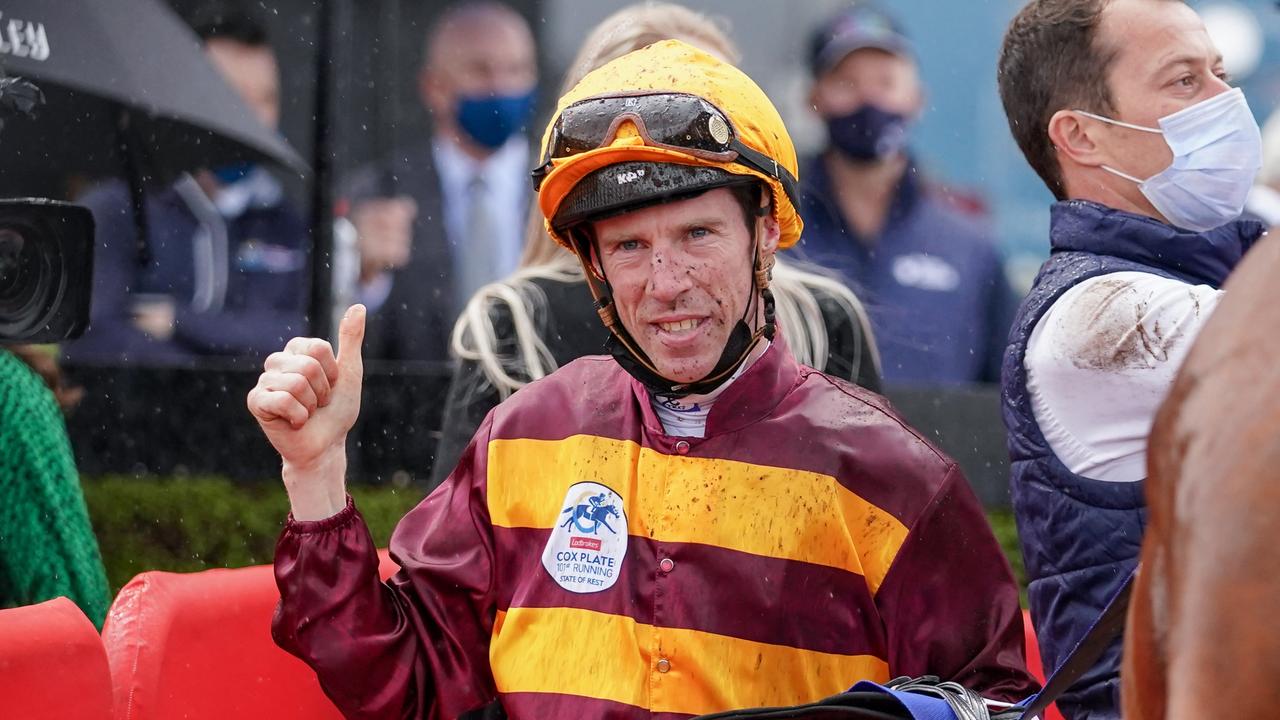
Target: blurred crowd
898,279
445,216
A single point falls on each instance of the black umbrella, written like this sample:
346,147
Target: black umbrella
128,88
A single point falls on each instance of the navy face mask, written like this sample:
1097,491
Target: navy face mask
869,133
228,174
490,120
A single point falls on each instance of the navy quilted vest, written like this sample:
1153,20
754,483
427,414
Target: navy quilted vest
1080,537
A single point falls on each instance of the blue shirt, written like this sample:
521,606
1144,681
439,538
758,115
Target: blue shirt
933,281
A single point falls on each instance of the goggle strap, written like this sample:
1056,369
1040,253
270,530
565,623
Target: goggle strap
768,166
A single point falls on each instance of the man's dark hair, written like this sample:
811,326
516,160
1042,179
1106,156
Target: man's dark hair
228,21
1051,60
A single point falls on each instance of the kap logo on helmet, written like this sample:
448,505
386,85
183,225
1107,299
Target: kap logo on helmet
630,176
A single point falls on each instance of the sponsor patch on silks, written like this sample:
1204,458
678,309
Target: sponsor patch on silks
589,542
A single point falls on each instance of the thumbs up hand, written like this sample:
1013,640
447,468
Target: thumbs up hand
306,401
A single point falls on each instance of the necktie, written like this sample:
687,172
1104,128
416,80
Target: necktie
480,254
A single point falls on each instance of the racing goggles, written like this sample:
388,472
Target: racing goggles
676,121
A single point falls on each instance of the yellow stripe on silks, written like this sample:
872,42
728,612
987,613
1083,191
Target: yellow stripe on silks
768,511
576,652
610,657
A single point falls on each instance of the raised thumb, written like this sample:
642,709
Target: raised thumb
350,336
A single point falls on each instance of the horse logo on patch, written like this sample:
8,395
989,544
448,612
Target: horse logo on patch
597,513
589,541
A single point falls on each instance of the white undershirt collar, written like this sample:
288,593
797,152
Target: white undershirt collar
686,416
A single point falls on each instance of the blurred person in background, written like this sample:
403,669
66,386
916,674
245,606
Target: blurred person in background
929,271
47,546
1125,111
445,215
228,253
542,316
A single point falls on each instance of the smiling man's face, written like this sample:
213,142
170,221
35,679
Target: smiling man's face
681,277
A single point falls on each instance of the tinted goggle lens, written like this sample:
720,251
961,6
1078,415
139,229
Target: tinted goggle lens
675,120
681,121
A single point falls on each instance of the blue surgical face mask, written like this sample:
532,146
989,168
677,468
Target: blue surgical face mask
1217,152
869,133
490,120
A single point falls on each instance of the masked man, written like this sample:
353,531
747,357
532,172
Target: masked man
695,524
446,215
1124,110
930,271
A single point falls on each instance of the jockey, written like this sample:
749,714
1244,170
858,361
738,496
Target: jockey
780,534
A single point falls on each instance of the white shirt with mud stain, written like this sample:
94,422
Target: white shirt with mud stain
1101,360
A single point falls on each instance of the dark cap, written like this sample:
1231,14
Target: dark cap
861,26
636,184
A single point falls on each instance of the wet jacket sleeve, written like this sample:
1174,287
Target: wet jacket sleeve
417,645
950,603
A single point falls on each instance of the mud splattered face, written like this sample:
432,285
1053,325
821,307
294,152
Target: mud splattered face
681,277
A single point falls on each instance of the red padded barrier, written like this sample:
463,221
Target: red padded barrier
52,665
1034,663
198,646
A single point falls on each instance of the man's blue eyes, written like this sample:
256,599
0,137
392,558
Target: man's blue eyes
629,245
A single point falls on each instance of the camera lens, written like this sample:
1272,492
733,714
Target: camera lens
46,270
29,279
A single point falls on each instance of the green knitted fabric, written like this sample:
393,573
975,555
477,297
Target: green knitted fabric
47,546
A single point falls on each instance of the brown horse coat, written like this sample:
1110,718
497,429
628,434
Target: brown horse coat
1203,637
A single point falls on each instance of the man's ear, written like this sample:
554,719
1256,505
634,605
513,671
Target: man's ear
1075,137
768,232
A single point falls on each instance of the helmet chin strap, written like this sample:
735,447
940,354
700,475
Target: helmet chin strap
627,352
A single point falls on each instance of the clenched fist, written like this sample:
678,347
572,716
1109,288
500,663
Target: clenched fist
306,401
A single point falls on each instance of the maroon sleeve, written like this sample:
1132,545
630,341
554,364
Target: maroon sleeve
950,604
416,646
